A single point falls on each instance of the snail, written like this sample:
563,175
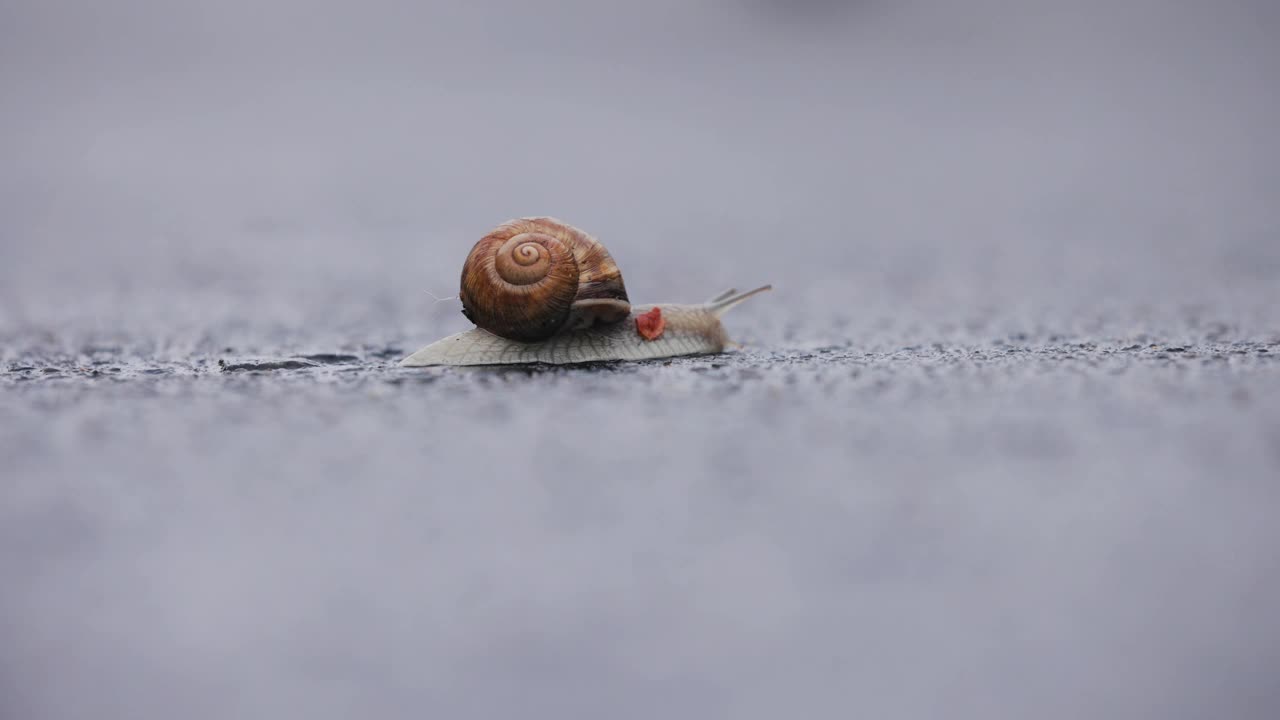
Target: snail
542,291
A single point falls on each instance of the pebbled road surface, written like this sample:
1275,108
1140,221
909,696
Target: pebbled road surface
1007,523
1003,442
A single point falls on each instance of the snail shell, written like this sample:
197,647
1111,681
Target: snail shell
532,278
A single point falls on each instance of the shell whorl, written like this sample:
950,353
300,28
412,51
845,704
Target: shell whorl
531,278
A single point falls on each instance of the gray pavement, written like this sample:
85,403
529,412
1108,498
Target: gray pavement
1003,442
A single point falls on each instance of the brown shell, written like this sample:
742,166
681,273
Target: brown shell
531,278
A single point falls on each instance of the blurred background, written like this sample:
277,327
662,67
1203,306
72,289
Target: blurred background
1003,442
852,153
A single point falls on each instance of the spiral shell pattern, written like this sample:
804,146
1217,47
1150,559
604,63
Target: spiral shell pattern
531,278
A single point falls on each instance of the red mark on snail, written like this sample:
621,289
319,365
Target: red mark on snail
651,324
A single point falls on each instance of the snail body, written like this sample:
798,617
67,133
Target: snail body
541,291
